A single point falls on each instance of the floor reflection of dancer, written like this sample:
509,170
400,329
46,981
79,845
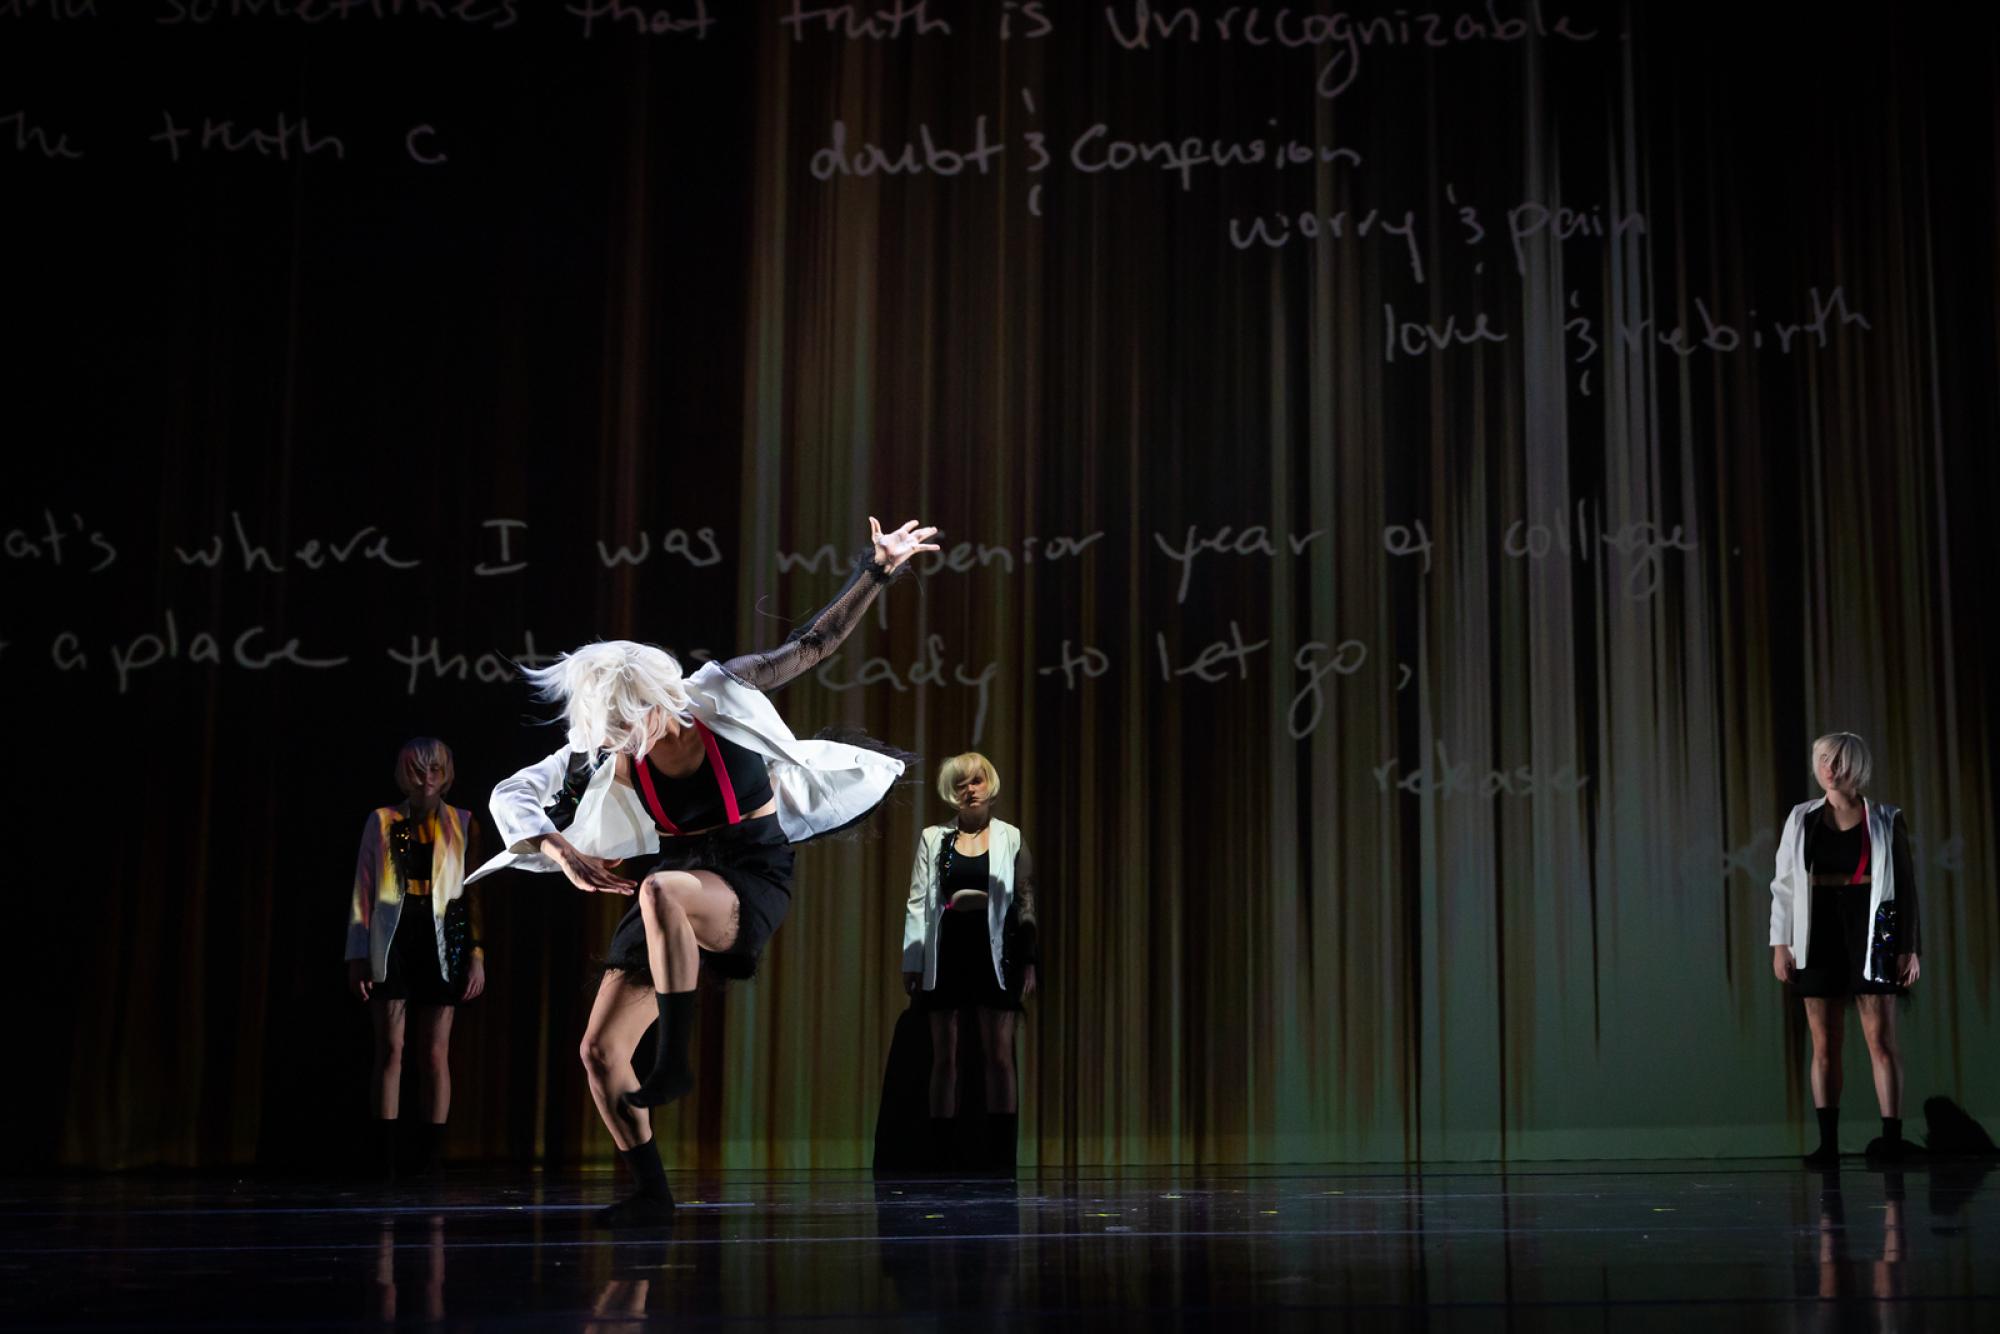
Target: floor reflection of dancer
969,942
413,951
1844,925
700,781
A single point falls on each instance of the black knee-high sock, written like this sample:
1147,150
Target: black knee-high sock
1892,1129
670,1077
1829,1128
383,1149
643,1162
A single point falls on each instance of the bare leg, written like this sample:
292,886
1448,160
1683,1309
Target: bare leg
996,1035
1827,1018
430,1030
686,912
385,1078
618,1019
1885,1052
944,1063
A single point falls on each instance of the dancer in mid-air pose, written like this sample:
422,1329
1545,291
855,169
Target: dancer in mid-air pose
697,780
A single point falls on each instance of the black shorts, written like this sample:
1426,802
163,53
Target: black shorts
414,975
965,968
753,858
1838,946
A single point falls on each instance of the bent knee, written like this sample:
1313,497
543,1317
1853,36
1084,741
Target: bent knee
595,1054
664,894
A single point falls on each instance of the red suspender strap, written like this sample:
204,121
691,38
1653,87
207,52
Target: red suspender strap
729,807
645,771
715,764
1867,851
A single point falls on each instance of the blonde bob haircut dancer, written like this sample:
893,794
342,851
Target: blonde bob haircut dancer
970,942
959,767
1845,929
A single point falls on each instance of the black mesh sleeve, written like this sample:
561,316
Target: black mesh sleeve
819,637
1906,888
1027,920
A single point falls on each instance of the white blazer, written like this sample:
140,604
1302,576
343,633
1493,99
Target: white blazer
377,904
927,905
1791,887
821,786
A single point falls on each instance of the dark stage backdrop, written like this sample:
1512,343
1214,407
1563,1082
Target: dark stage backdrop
1414,482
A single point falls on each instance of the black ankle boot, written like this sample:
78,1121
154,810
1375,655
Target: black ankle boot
427,1155
670,1077
1001,1131
1828,1153
653,1203
1890,1147
382,1149
941,1158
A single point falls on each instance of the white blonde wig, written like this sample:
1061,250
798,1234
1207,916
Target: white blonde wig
959,766
1847,756
609,692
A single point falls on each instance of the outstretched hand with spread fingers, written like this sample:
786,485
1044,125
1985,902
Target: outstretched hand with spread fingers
892,549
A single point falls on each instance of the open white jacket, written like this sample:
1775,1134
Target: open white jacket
820,786
1791,886
927,905
377,902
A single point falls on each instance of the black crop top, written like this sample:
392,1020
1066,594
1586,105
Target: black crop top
694,800
410,847
965,873
1831,850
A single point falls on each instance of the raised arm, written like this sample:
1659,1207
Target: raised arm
822,634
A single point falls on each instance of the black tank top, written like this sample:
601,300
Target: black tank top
965,873
698,799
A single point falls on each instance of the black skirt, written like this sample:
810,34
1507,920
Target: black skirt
753,858
1837,949
965,968
413,974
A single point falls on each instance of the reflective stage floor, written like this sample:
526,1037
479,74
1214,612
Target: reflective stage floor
1619,1247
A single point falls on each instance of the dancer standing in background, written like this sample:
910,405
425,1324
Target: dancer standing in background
413,951
1844,925
699,781
970,941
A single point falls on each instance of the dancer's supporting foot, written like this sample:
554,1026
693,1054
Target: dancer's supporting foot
653,1203
618,1019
